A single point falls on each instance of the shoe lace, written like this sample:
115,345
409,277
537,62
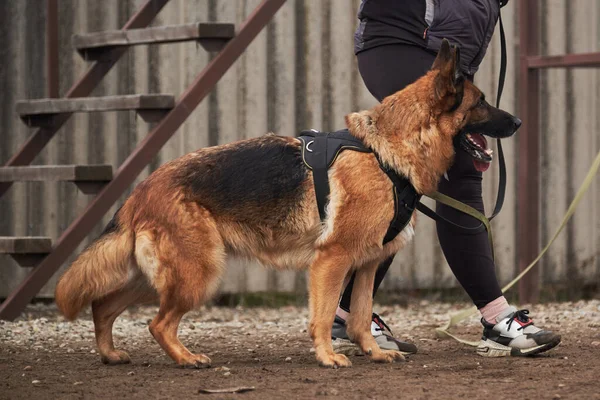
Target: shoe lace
521,316
381,325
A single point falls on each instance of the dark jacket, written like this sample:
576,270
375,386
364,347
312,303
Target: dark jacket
468,24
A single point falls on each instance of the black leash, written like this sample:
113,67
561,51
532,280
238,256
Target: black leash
501,79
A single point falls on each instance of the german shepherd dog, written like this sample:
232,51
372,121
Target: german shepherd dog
255,199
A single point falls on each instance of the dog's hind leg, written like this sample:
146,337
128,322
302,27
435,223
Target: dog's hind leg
327,274
190,261
359,322
164,329
106,310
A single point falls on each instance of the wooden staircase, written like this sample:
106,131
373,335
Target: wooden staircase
211,36
48,115
43,112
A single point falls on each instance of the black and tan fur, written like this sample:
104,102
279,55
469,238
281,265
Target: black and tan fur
255,199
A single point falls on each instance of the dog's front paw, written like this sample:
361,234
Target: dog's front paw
195,361
116,357
386,356
334,360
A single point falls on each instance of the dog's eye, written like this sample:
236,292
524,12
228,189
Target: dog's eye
481,102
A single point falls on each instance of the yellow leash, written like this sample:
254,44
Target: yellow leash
449,201
442,331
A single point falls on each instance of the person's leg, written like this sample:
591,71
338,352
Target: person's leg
386,70
506,330
468,254
379,275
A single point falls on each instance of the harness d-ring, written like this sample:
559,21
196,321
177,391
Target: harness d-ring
308,144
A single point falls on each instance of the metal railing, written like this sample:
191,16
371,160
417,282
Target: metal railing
528,209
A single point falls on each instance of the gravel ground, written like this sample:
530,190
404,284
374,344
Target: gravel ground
42,356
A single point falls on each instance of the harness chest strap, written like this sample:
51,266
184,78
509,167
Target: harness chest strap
319,152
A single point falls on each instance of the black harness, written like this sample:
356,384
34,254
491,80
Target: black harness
319,152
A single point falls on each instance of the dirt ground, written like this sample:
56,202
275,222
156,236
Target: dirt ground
43,357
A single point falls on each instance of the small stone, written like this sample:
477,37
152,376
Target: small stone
93,351
36,382
288,359
556,397
28,368
227,373
560,385
131,373
192,326
596,343
77,383
70,351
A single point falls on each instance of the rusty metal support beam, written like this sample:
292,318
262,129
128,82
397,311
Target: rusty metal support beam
52,47
582,60
82,88
528,211
141,156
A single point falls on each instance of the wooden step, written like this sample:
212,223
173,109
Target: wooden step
41,112
88,178
212,36
26,251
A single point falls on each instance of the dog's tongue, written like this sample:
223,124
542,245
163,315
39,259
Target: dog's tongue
480,166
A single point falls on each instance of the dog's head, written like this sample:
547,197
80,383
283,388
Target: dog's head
472,116
415,129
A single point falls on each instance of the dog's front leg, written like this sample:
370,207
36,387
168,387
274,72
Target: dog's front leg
359,322
327,274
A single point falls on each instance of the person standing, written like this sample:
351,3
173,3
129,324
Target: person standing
396,43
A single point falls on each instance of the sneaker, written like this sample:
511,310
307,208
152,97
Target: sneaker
514,335
380,331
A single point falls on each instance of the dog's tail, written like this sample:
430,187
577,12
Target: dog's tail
101,268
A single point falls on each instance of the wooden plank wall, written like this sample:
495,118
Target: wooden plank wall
299,73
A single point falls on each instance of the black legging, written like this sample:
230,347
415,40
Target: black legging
385,70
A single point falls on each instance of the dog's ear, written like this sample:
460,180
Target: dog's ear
444,57
449,84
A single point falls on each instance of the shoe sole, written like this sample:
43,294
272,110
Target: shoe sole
488,348
347,348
